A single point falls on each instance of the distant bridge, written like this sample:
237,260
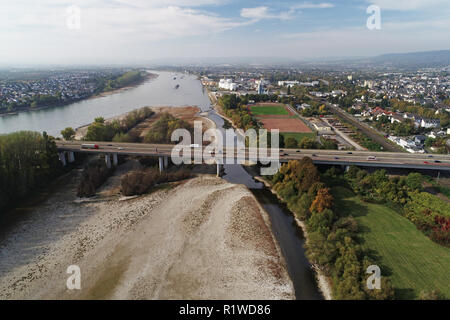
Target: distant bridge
329,157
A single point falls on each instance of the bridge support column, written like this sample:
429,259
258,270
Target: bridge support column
161,164
108,161
62,158
347,168
219,169
115,160
71,157
166,162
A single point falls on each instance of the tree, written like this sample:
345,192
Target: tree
291,143
307,143
323,200
68,133
99,120
28,160
414,181
430,295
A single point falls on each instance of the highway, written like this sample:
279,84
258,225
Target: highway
333,157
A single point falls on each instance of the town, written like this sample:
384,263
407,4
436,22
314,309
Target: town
28,88
408,110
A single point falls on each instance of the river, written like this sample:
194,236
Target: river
156,92
161,92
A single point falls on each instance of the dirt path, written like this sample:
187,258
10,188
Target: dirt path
187,242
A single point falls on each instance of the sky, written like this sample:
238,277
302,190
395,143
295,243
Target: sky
140,31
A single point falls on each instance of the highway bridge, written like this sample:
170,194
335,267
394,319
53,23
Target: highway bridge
329,157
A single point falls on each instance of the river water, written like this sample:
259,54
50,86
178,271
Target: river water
161,92
157,92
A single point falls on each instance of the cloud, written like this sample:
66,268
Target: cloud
407,5
150,20
309,5
259,13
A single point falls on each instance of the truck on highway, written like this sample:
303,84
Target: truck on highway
371,158
89,146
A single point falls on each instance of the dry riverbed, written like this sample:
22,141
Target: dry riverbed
203,238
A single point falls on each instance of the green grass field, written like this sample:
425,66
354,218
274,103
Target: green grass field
297,135
275,109
412,261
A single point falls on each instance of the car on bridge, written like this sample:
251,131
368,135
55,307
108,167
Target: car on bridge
89,146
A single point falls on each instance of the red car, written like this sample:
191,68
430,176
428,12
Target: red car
89,146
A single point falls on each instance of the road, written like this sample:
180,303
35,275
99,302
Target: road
334,157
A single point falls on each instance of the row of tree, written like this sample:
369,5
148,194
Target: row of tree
127,79
116,130
332,243
161,131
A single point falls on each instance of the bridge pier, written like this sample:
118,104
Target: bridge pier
62,158
108,161
71,156
219,169
115,160
166,162
161,164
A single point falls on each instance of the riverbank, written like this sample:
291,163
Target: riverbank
322,281
203,238
189,114
148,77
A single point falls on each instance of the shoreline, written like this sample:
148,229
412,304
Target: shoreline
322,280
148,77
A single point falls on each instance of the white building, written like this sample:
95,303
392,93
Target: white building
288,83
227,84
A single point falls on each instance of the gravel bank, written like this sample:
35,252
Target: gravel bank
202,239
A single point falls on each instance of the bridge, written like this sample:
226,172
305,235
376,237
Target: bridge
330,157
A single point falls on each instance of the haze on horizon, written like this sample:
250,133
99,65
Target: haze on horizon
140,31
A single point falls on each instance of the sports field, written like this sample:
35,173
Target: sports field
413,262
278,116
268,109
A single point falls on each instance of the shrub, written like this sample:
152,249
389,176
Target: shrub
140,182
93,176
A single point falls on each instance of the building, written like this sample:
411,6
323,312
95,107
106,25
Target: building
419,140
320,126
302,106
227,84
288,83
397,118
427,123
260,88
